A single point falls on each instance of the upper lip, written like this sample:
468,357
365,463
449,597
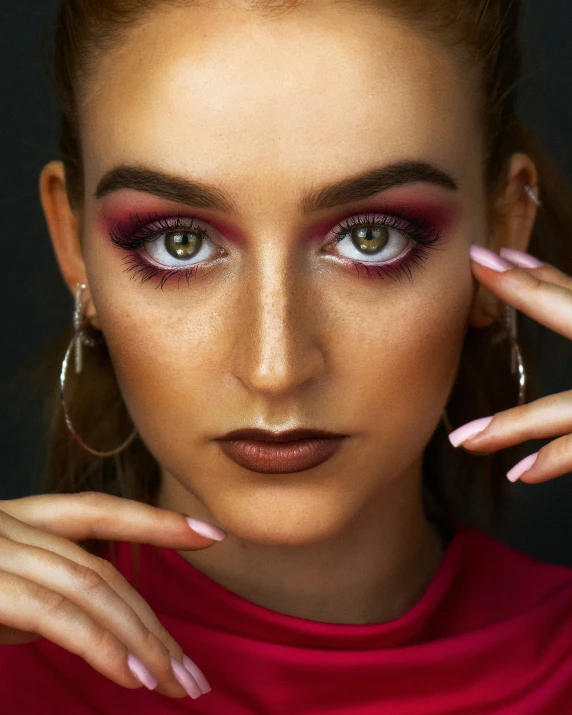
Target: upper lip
262,435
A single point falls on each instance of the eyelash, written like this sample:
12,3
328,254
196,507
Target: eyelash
424,235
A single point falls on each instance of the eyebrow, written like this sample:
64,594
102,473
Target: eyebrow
207,196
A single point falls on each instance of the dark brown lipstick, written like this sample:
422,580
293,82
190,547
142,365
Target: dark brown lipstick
285,452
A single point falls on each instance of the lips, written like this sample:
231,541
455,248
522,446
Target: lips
280,452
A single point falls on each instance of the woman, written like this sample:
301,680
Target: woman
242,193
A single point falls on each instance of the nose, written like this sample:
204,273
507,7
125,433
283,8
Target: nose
278,344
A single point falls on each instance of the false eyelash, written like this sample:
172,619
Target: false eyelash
397,269
424,234
418,228
140,233
140,267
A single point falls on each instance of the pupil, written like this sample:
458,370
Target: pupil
182,245
370,239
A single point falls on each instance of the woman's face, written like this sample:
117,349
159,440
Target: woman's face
247,312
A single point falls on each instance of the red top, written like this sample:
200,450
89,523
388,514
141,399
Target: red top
492,633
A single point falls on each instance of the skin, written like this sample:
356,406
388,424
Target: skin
283,333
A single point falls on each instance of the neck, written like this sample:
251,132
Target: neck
372,571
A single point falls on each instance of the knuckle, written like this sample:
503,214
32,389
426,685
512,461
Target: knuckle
167,639
88,580
105,569
50,602
107,646
90,497
159,656
153,645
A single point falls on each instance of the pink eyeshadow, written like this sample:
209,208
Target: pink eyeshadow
440,213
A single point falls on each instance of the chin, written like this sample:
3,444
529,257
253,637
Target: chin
283,517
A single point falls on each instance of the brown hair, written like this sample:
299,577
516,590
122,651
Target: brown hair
484,34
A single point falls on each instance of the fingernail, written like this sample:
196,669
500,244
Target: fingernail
197,674
470,429
525,260
186,679
519,469
141,672
489,259
204,529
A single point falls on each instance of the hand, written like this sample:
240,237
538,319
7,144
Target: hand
545,294
50,587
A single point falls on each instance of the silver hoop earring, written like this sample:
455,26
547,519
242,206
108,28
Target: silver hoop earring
78,341
516,362
532,195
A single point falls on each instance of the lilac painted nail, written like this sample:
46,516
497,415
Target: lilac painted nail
519,469
489,259
470,429
141,672
524,260
204,529
186,679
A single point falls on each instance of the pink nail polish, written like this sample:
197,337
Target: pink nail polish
521,467
141,672
470,429
186,679
525,260
197,674
489,259
204,529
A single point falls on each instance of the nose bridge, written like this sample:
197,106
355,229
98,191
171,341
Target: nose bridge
277,344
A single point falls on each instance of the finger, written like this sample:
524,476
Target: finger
546,417
549,303
95,515
89,591
45,543
546,271
553,460
30,607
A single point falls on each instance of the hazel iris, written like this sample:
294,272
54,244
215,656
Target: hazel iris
182,245
370,239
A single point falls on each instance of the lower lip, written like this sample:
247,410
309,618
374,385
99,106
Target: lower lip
280,457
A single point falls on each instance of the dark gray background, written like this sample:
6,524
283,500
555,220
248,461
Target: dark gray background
35,304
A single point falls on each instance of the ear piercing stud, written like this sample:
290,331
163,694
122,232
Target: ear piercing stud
532,195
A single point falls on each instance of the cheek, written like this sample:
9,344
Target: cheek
161,360
405,368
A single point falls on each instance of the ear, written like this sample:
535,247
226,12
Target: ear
514,214
64,229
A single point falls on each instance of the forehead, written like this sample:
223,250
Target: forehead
210,90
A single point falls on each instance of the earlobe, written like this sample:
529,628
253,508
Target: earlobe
485,308
63,226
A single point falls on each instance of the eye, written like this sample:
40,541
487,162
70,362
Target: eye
368,239
181,248
177,248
